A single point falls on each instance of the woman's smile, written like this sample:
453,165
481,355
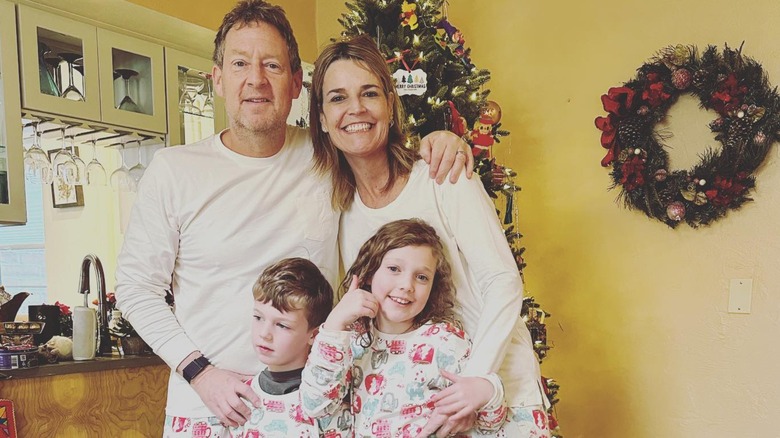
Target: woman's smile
354,102
358,127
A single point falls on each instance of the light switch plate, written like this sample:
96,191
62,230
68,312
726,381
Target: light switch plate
740,295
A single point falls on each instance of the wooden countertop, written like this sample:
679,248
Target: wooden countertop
107,397
83,366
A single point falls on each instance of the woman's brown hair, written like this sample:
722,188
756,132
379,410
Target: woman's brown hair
327,158
399,234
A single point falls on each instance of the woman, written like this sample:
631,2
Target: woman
357,129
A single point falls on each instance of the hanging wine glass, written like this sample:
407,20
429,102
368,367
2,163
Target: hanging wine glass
48,84
127,103
63,164
208,103
71,92
53,61
137,171
192,86
182,82
120,178
96,173
81,167
37,166
79,67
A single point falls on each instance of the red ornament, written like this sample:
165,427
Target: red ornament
457,123
497,175
676,211
681,78
482,137
492,111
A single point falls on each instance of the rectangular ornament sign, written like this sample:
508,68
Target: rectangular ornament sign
410,82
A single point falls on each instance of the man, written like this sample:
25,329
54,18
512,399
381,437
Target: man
210,216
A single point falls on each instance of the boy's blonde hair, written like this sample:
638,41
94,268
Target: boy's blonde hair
296,284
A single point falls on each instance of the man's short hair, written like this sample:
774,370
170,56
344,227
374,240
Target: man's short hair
249,12
296,284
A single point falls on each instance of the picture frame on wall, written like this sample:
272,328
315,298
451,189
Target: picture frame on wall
65,195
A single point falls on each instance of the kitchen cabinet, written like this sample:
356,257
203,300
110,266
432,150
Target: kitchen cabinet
54,48
194,110
132,82
75,69
12,199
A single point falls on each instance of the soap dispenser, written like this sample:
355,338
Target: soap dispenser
84,332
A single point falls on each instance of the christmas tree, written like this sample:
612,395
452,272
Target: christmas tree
441,89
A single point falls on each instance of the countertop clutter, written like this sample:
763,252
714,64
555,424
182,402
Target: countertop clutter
19,358
17,347
113,362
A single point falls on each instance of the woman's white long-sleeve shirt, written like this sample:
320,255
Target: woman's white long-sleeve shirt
489,287
207,221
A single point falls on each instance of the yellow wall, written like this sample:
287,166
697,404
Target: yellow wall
644,346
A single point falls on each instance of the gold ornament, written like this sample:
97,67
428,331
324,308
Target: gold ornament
492,111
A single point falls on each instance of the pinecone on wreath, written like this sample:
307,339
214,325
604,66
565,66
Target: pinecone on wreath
740,128
666,196
630,133
700,78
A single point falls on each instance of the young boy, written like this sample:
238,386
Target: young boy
292,299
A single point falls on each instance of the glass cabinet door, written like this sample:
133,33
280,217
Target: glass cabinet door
194,110
12,201
132,82
59,64
299,113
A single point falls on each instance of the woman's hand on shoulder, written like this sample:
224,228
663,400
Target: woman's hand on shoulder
355,304
443,426
465,396
446,153
456,406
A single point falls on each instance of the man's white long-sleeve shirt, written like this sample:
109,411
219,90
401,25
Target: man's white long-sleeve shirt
206,222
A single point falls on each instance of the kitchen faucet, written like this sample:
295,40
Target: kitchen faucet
103,340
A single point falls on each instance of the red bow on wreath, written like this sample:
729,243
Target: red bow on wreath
726,190
728,96
655,94
617,102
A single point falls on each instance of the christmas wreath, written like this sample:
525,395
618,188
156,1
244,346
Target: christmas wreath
748,110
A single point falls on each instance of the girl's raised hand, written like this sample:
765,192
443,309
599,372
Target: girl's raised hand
355,304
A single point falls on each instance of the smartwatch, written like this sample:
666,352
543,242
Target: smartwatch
194,368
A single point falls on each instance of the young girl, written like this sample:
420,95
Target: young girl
407,345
